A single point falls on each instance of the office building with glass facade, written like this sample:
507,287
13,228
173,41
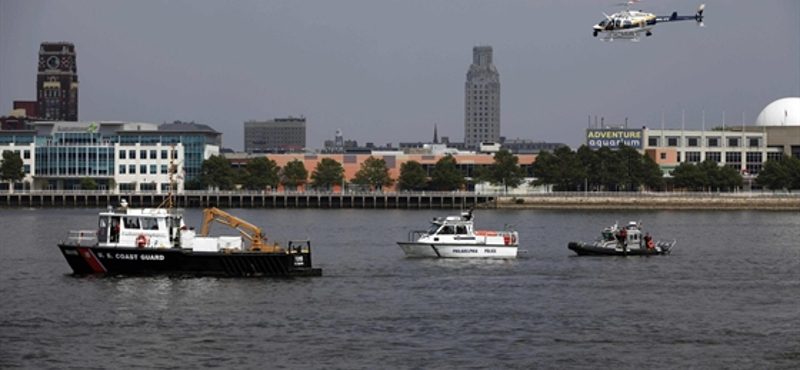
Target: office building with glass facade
118,156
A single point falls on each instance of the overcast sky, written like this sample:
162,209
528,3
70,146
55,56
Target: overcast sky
385,71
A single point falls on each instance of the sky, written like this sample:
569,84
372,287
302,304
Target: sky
386,71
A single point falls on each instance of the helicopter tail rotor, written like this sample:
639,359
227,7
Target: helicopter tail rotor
699,15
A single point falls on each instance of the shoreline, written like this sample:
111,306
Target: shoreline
416,200
696,202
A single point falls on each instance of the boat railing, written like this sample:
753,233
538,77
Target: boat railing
80,238
510,227
416,234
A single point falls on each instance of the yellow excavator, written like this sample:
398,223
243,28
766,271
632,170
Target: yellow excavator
258,241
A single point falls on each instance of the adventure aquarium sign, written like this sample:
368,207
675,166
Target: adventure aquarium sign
612,138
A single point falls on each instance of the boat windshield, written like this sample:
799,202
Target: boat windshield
608,236
433,229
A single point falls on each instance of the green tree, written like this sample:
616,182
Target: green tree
446,174
262,172
652,176
327,173
632,164
216,172
688,176
792,165
412,176
294,174
11,168
591,162
612,169
730,178
712,176
545,169
192,184
773,176
374,172
88,183
504,171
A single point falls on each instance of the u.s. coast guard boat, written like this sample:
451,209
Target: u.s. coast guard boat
134,241
455,237
625,240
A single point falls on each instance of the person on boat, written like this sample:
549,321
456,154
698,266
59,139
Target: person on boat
649,241
115,229
623,236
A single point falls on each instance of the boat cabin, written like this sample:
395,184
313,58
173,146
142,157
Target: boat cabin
123,227
452,225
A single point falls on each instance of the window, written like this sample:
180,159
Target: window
164,154
143,169
733,142
652,141
132,169
131,222
775,155
663,155
122,154
27,154
713,141
164,169
693,157
132,154
733,157
693,141
153,154
149,224
143,154
753,157
672,141
753,142
714,156
122,169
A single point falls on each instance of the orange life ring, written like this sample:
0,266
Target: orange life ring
141,241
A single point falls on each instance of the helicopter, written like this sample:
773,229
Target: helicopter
628,24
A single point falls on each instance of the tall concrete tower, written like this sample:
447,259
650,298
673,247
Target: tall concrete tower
482,99
57,82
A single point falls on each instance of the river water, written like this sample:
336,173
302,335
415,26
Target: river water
728,297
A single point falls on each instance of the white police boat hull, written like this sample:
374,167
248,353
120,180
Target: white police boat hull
455,237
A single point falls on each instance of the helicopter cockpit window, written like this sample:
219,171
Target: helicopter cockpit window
602,23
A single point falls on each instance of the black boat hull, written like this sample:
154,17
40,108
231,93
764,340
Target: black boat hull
583,249
86,260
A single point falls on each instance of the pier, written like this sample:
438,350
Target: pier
410,200
238,199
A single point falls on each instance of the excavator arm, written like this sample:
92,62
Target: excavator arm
251,232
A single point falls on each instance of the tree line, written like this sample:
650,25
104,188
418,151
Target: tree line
584,169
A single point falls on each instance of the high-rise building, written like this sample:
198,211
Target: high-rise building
481,99
277,135
57,82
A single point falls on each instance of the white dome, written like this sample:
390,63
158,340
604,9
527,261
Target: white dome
782,112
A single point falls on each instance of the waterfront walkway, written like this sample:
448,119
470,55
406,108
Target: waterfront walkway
409,200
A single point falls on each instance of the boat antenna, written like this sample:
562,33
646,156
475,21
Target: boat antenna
168,201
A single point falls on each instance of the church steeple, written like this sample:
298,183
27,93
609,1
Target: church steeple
435,135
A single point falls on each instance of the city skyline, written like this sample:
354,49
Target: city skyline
390,72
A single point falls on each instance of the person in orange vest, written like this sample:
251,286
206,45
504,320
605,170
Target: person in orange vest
623,235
